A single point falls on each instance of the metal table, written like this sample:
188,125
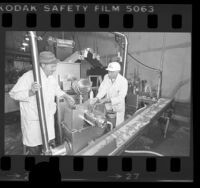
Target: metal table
128,131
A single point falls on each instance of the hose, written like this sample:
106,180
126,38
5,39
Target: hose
144,151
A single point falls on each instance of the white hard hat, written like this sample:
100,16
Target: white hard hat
114,66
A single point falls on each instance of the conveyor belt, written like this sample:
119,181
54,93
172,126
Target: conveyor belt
128,130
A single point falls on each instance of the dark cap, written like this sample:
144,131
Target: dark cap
47,57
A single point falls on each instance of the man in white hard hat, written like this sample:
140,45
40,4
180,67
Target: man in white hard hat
25,92
113,90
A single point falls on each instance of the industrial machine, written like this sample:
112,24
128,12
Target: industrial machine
90,130
82,123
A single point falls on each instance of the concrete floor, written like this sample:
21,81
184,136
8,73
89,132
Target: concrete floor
176,143
12,133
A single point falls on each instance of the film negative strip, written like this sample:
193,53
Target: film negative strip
148,43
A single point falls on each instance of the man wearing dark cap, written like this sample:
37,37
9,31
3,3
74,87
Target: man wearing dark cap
24,91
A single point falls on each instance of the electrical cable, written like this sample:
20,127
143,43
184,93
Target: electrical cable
139,61
142,63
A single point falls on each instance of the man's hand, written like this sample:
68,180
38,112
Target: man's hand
34,87
105,100
70,99
93,101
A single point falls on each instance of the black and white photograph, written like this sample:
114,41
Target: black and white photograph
97,93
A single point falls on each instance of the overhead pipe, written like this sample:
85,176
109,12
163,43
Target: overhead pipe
125,51
39,93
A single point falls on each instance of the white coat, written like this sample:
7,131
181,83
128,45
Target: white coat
30,125
116,91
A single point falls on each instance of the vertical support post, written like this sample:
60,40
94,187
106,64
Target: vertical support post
125,55
59,128
161,67
159,92
39,94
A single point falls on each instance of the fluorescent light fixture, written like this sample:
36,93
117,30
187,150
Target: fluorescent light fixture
25,44
23,48
65,43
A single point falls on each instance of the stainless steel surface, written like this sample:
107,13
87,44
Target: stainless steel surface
39,94
96,119
129,130
82,126
75,118
58,128
72,118
105,151
83,86
81,138
63,149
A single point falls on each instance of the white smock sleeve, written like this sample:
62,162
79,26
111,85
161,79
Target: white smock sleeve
20,91
103,88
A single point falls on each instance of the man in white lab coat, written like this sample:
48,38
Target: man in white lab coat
113,90
25,92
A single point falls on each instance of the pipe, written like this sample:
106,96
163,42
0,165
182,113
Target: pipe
111,125
39,94
140,110
60,136
125,50
159,85
89,122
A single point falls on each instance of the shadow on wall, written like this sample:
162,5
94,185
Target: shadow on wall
178,87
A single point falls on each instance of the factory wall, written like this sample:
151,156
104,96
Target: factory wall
148,48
